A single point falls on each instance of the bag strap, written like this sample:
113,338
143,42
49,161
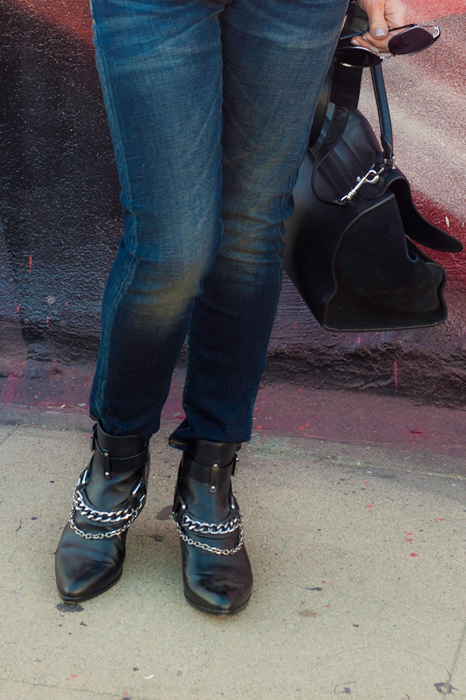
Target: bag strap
321,110
342,87
386,133
356,21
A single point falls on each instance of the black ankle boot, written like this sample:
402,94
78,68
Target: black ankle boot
216,570
108,498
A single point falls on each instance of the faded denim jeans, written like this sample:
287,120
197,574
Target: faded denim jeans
209,104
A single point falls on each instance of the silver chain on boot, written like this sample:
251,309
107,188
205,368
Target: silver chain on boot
225,527
126,515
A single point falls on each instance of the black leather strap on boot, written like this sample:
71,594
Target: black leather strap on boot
109,496
216,570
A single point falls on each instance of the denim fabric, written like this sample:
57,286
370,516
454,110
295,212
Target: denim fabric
209,104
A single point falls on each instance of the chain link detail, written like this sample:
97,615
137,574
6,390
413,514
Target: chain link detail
126,515
208,547
224,528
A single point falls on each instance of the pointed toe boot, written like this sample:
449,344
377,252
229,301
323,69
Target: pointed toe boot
216,569
109,496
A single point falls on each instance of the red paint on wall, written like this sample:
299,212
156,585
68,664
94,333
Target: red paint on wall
8,393
422,10
455,265
75,17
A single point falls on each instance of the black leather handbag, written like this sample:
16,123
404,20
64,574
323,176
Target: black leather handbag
350,246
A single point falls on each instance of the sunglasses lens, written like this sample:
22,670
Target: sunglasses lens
357,58
410,41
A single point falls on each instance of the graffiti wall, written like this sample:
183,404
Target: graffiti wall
60,218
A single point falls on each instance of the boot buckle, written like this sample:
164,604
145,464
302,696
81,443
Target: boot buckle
178,502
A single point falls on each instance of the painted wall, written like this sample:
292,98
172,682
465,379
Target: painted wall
60,215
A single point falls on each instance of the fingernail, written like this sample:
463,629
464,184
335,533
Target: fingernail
355,42
379,32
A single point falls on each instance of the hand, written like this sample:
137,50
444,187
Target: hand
383,15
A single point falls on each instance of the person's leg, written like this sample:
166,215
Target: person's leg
276,54
160,67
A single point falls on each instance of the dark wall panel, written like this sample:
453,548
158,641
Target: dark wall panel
60,218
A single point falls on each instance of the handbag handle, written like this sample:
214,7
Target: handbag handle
386,133
342,87
356,21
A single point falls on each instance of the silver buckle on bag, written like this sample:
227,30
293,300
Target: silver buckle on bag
371,177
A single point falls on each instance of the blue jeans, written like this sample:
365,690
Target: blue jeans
209,104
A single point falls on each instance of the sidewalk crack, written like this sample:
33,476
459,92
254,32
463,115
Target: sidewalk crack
4,439
456,656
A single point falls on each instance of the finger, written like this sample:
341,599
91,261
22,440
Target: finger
369,43
378,27
383,14
395,13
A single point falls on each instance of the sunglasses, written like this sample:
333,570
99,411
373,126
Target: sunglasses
410,39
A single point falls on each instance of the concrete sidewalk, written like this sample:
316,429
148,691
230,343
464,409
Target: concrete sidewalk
358,555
